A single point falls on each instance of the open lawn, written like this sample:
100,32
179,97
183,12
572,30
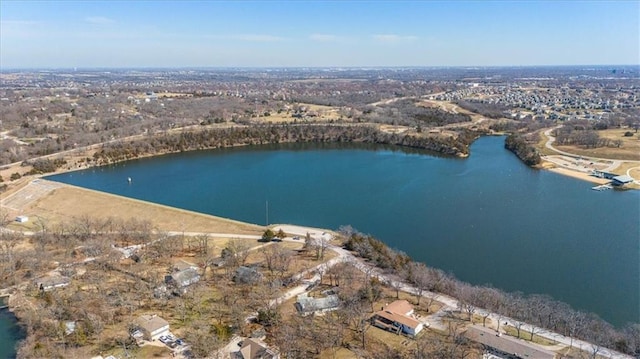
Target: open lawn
67,203
509,330
630,149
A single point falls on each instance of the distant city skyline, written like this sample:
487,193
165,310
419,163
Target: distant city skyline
68,34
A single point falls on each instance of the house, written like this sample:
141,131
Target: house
308,305
397,317
183,275
52,282
152,326
254,349
247,275
503,346
182,279
401,307
602,174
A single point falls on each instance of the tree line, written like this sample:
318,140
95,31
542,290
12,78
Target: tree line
266,134
536,309
524,147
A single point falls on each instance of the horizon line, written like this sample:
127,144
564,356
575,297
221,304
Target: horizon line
77,68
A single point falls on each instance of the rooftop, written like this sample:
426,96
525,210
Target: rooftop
398,318
306,304
151,323
623,179
400,306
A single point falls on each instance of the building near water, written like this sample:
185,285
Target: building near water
398,318
621,180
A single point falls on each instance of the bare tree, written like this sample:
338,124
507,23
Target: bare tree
419,276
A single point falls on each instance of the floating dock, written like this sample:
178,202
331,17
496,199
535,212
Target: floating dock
602,187
4,301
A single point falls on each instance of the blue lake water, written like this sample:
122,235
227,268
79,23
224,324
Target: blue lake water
10,334
488,219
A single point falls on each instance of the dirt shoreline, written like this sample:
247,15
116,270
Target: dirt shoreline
578,175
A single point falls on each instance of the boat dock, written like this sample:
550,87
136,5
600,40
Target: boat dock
602,187
4,301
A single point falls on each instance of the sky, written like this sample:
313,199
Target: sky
298,33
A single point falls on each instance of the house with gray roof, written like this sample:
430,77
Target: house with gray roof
309,305
247,275
180,280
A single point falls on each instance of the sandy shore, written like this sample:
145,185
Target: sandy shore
578,175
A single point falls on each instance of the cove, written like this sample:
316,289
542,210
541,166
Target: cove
488,219
10,334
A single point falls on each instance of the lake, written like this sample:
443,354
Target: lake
488,219
10,334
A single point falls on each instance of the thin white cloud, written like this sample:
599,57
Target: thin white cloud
252,37
17,22
324,37
99,20
19,29
393,38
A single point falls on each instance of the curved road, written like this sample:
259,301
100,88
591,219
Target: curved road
614,163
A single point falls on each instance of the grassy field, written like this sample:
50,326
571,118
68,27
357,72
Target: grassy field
68,203
509,330
629,151
319,112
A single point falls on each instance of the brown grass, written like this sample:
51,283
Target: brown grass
68,203
509,330
630,149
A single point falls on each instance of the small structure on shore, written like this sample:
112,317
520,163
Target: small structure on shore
621,180
4,301
603,174
22,219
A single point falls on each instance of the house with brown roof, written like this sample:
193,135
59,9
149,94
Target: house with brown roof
398,318
504,346
254,349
